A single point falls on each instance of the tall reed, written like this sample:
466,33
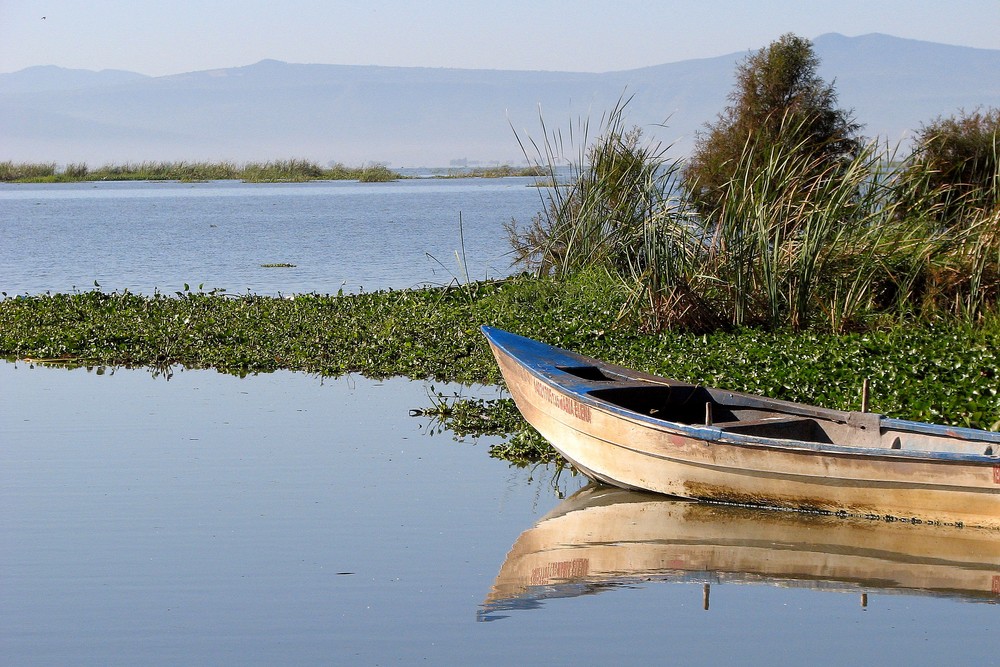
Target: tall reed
293,170
794,242
21,171
280,170
596,211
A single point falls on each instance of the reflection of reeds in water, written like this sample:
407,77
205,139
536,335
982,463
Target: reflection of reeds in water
603,538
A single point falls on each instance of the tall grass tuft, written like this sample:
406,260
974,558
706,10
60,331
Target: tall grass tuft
377,173
789,231
25,171
597,217
280,171
792,244
156,171
293,170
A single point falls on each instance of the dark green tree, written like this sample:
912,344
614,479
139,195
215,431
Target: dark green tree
778,102
955,165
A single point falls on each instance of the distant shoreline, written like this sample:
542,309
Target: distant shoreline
277,171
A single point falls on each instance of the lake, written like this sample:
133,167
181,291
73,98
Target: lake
338,234
201,518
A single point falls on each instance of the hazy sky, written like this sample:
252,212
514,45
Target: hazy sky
575,35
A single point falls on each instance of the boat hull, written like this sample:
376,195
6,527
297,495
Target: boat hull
634,451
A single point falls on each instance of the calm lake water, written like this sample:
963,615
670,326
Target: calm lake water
289,519
339,235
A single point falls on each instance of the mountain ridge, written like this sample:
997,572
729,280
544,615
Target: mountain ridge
411,116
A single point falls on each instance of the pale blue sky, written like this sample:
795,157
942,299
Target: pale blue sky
576,35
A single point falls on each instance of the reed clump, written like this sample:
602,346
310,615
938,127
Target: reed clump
280,171
377,173
793,242
157,171
26,171
275,171
496,171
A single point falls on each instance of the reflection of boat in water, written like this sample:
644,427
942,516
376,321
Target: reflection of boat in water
640,431
603,537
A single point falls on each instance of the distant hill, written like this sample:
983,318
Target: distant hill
49,78
429,117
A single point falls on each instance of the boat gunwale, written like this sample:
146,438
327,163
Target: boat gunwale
819,480
544,369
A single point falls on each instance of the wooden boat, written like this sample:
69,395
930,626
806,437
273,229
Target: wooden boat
640,431
604,538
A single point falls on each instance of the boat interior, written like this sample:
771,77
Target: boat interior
697,406
756,416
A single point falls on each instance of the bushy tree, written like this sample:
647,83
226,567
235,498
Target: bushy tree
778,101
954,164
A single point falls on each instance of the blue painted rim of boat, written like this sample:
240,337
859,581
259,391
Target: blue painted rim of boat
542,361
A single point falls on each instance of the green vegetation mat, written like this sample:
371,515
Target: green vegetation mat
941,372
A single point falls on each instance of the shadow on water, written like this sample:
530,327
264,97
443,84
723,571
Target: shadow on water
604,538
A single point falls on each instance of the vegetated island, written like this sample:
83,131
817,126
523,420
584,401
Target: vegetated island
786,257
275,171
